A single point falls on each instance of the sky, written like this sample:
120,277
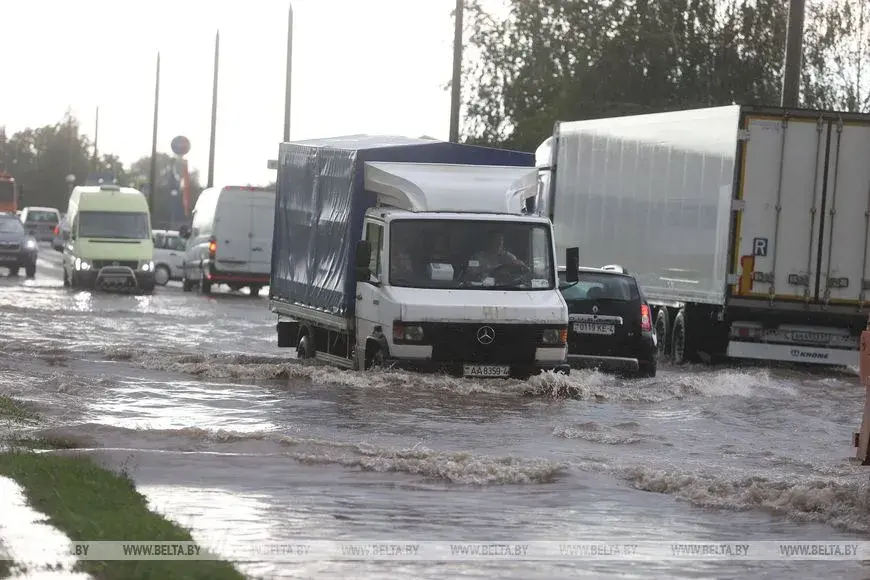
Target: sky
373,66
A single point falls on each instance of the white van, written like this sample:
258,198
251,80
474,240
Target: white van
109,243
229,240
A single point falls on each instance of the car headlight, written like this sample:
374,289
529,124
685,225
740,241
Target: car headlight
407,332
556,336
30,244
82,264
147,266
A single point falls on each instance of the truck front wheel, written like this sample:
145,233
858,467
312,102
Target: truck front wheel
305,348
374,356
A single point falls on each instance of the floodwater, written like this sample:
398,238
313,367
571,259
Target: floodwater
230,436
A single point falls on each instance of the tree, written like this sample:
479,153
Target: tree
167,207
838,52
551,60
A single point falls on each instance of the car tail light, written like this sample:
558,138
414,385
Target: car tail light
56,230
645,318
212,247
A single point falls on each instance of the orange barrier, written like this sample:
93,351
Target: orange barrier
862,438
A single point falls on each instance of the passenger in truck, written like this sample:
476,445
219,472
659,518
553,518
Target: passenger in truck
402,269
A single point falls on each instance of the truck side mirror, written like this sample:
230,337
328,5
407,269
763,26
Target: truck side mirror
184,232
572,265
363,256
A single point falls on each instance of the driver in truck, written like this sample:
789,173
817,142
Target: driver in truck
494,254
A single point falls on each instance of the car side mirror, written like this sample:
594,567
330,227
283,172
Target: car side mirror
572,265
363,256
184,232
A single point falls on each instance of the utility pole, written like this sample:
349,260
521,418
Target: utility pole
152,186
96,140
794,40
214,98
455,85
288,81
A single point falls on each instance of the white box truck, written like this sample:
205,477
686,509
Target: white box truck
415,253
747,227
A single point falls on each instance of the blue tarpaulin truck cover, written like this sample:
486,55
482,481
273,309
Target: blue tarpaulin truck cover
321,201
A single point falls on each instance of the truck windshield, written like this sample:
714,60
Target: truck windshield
486,255
114,224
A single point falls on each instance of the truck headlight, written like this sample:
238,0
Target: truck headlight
555,336
147,266
30,244
82,264
407,332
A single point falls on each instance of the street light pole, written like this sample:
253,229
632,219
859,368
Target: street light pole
96,140
153,173
288,81
455,92
214,99
794,40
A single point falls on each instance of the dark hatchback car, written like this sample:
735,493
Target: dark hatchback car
17,249
609,322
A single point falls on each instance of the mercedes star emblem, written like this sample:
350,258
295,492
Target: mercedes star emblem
485,335
594,310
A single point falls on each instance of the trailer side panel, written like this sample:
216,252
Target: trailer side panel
654,194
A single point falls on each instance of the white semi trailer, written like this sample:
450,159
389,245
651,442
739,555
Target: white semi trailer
746,227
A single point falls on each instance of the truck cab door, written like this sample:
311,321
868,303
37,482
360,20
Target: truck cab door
368,294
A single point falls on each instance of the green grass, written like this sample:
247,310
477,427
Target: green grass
14,411
87,503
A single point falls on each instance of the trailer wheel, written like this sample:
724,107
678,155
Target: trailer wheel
663,327
305,348
680,348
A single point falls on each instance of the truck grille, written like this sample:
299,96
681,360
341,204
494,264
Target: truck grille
9,246
127,264
511,344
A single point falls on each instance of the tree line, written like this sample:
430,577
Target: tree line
548,60
40,159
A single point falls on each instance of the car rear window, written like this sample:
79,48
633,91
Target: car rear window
48,217
595,286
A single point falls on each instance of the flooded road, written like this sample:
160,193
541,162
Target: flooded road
228,435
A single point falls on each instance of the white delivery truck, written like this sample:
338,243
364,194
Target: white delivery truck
229,240
746,227
415,253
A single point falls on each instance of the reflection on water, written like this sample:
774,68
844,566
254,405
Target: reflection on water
37,549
